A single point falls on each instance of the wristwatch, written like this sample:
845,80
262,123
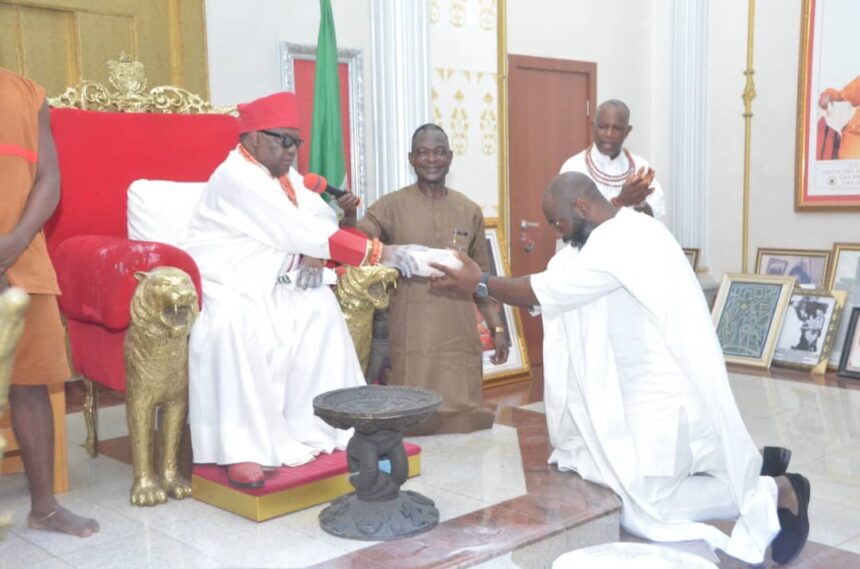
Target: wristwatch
498,329
481,290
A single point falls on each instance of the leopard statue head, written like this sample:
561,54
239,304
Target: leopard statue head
165,302
365,288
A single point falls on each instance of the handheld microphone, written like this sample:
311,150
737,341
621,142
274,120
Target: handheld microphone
318,184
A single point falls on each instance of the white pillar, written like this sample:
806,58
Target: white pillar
400,34
689,121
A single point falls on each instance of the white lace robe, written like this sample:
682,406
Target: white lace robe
636,390
261,351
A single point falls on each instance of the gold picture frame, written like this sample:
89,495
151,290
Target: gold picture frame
517,367
748,314
849,364
825,174
808,329
692,254
808,266
844,274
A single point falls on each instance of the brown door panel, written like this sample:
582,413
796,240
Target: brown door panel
549,105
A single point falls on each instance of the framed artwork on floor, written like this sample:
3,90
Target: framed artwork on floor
844,274
807,266
808,329
517,366
827,171
849,363
748,315
692,256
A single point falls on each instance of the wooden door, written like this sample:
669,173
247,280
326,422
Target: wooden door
550,101
60,42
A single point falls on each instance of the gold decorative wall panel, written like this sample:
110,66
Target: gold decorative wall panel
61,42
465,94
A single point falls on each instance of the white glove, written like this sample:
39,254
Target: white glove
399,257
327,277
309,277
310,273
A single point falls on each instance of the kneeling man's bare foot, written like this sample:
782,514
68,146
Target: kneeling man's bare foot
62,520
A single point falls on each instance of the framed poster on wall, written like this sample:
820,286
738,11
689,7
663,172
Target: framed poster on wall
827,175
298,71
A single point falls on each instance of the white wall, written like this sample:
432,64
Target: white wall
773,221
243,40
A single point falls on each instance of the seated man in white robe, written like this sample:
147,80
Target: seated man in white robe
636,391
269,338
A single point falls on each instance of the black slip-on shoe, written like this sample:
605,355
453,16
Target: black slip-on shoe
794,530
775,461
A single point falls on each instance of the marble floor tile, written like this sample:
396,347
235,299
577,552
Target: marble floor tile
307,522
113,526
450,505
17,552
166,518
148,549
242,543
483,482
851,545
832,524
53,563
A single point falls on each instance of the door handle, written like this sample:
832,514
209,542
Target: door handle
526,224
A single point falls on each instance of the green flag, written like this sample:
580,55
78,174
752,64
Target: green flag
326,157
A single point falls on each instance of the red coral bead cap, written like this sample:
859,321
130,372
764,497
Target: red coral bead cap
280,110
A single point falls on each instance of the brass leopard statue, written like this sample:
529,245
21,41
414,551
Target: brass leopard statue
360,291
13,308
163,308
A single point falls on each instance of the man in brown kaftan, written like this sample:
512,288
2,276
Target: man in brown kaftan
433,338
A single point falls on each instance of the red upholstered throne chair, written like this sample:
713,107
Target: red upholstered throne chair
130,134
105,141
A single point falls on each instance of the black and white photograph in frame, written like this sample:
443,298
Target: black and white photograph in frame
808,327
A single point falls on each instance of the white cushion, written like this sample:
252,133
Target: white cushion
160,210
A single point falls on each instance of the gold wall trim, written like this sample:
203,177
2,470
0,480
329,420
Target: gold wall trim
177,70
502,79
747,96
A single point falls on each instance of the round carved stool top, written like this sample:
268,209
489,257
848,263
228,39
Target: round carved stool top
371,408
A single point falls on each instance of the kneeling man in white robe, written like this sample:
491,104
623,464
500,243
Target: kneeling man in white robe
269,337
636,390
